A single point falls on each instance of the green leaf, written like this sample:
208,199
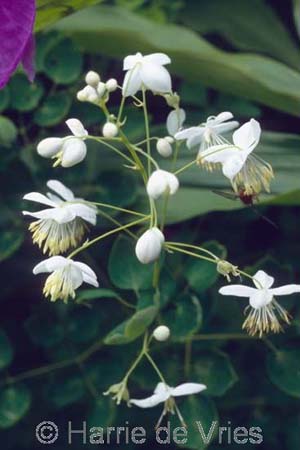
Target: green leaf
49,11
249,26
201,274
127,273
201,417
132,328
53,110
283,368
10,242
101,29
8,131
15,402
95,294
215,370
6,350
184,318
103,412
25,96
63,63
66,391
4,98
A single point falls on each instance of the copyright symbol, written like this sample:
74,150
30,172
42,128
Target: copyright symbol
46,432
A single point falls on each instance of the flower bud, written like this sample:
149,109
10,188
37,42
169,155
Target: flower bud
119,392
164,147
111,85
110,130
81,96
101,89
49,147
149,245
161,333
226,269
92,78
161,182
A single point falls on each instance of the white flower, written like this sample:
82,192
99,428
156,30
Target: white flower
165,394
175,121
149,245
265,311
208,133
63,224
110,130
66,276
245,171
161,333
68,151
147,71
161,182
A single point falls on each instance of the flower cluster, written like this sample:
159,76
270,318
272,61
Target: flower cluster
62,225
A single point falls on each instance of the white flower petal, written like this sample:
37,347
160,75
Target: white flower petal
247,136
149,246
223,116
131,60
188,132
132,82
156,78
76,127
162,389
157,58
151,401
220,153
39,198
233,165
264,281
175,120
60,214
157,184
285,290
60,189
187,389
88,274
237,290
172,182
225,127
51,264
74,151
86,212
49,147
260,298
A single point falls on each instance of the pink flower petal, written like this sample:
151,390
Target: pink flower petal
17,44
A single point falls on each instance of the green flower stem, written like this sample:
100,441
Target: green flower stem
112,147
138,359
153,364
172,247
223,337
149,157
177,146
147,128
134,155
187,166
117,208
109,233
116,222
196,247
153,138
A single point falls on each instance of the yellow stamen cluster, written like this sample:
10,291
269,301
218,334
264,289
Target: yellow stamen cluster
55,237
59,285
266,319
255,176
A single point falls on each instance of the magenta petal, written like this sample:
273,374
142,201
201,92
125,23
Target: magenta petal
17,21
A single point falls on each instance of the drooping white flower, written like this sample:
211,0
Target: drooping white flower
63,224
208,133
149,245
69,150
161,333
66,276
110,130
265,312
165,394
246,171
161,182
164,147
147,71
175,121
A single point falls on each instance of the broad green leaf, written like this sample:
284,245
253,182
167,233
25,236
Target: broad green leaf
25,96
53,110
249,26
202,274
66,391
14,404
63,63
10,242
132,328
8,131
49,11
6,350
284,370
184,318
102,28
125,271
215,370
4,98
201,417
